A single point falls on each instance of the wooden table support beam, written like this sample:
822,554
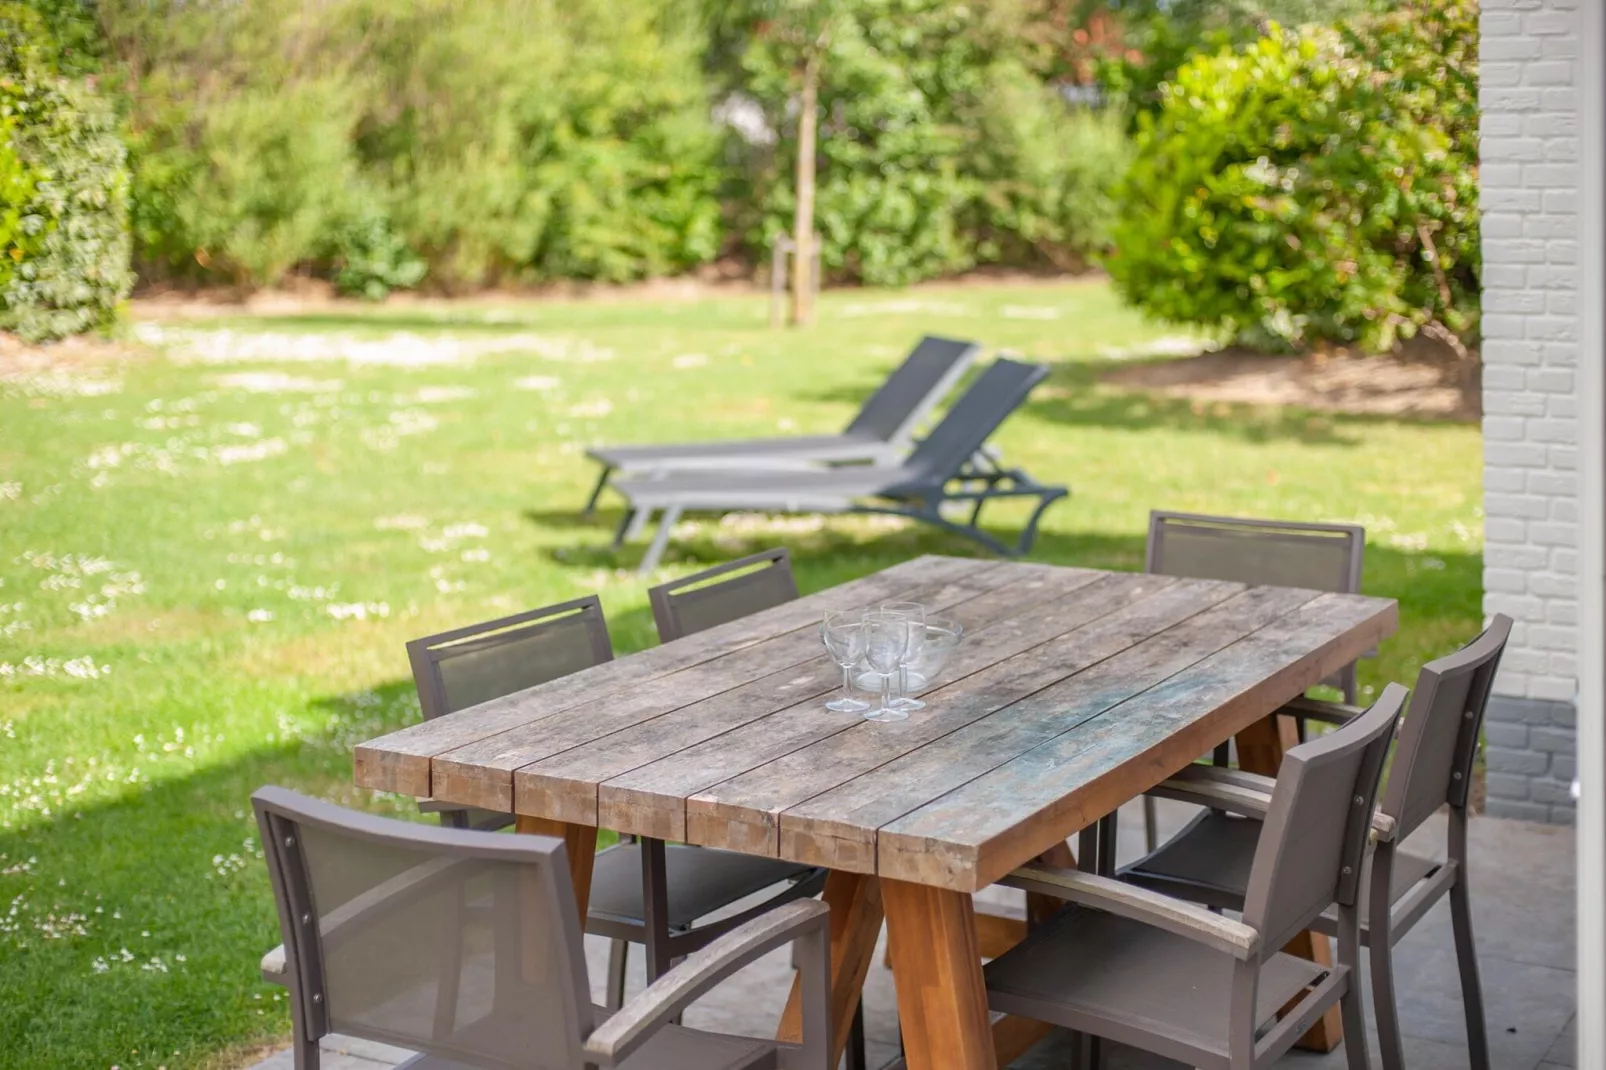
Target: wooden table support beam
855,902
936,963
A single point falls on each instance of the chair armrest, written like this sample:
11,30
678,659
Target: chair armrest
613,1041
1314,709
275,970
1129,901
1238,792
1232,790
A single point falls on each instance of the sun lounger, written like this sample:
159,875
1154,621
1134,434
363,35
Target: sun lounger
939,471
880,434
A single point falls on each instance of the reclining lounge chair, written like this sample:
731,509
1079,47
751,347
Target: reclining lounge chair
880,434
938,471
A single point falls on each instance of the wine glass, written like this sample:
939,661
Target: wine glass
886,645
843,634
915,615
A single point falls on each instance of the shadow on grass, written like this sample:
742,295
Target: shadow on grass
1073,396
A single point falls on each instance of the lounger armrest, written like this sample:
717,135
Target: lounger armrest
1314,709
275,969
613,1041
1232,790
1129,901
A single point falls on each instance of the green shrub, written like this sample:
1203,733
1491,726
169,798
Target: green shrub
370,140
372,259
1313,186
64,178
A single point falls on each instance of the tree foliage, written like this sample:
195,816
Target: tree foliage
939,149
498,140
1314,185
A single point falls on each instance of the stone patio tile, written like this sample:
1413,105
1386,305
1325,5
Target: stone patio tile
1565,1051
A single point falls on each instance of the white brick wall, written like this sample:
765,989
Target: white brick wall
1529,180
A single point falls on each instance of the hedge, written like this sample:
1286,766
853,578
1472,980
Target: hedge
63,192
1314,186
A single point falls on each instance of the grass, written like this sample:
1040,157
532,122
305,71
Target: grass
213,568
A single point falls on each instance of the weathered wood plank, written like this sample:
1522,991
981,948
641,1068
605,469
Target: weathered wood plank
400,760
481,773
743,813
648,798
838,827
974,834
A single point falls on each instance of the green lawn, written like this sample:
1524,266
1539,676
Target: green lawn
210,562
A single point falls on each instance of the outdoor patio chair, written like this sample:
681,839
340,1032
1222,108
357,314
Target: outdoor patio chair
464,946
1210,860
705,599
1325,557
713,597
880,434
939,471
1173,978
640,892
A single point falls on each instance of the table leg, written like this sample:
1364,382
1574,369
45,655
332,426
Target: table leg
580,842
855,902
1260,750
936,963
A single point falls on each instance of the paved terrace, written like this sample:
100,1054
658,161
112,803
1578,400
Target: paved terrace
1522,894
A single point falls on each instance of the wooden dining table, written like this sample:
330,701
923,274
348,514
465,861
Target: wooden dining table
1073,691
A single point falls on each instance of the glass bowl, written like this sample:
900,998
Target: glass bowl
942,638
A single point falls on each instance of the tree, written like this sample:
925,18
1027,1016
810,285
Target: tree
797,34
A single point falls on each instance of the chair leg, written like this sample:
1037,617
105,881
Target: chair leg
618,960
1466,955
1380,944
1390,1047
1151,824
857,1058
596,491
1355,1026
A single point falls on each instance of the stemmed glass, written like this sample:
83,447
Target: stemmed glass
914,616
886,646
844,636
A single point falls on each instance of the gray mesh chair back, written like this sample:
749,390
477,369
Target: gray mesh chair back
1433,762
986,403
467,666
462,945
909,394
722,593
1324,557
1314,838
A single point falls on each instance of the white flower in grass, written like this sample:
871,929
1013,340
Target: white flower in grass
259,616
358,610
538,382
